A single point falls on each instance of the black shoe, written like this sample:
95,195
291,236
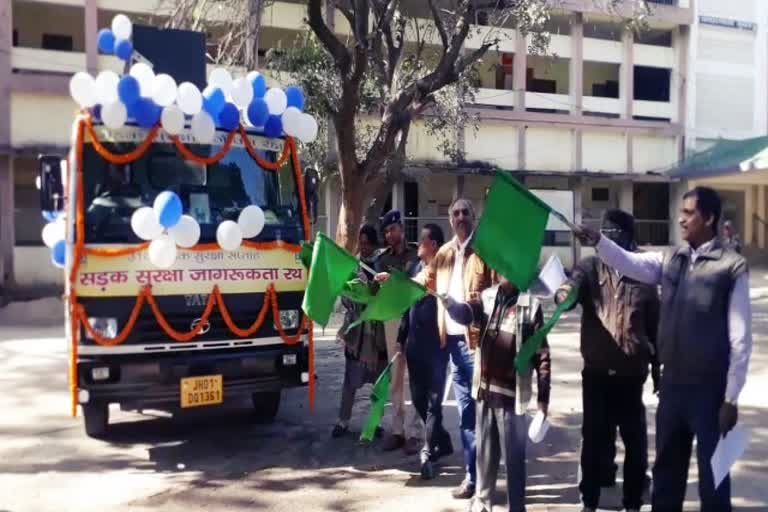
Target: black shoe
439,451
465,491
427,471
339,430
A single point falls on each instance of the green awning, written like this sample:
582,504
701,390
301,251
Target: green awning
725,157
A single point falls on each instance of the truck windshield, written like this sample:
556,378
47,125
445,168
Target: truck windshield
210,193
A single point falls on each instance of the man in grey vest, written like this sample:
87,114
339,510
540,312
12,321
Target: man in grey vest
704,344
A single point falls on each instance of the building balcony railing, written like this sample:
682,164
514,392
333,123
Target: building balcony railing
53,61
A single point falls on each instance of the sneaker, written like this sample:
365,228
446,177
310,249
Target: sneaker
413,446
392,443
427,470
465,491
339,430
473,507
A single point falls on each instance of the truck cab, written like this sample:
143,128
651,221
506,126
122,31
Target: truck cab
218,325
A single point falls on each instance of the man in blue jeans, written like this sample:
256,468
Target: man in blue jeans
450,274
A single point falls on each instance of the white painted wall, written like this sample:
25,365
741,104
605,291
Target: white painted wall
548,149
604,152
494,142
26,109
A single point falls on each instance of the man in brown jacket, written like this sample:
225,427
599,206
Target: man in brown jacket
455,274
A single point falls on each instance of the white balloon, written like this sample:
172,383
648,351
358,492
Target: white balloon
122,27
114,114
163,90
162,252
222,79
82,87
309,128
292,119
186,233
146,77
106,87
203,127
189,98
53,232
229,235
145,224
242,92
276,100
172,119
251,221
251,76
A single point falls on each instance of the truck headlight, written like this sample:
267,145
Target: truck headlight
289,318
104,327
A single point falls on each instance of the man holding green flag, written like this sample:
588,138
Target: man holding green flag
503,390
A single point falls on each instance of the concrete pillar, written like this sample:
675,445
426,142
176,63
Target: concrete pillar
578,217
7,227
458,187
398,196
6,47
627,75
676,191
679,83
332,202
91,35
576,69
749,215
761,213
519,72
627,196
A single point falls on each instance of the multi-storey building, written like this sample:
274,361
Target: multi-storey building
592,124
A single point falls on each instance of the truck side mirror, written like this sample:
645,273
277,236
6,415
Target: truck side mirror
50,183
311,191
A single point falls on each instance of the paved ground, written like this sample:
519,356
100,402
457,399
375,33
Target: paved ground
220,460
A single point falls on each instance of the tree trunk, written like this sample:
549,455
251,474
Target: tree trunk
254,27
353,201
373,208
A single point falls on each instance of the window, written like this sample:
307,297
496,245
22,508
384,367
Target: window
651,210
601,194
652,84
57,42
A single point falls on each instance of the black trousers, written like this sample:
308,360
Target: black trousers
427,371
611,401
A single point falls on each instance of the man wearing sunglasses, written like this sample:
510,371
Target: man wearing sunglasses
618,337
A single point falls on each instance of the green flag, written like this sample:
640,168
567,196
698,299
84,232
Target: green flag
395,296
306,254
358,291
533,344
511,231
379,398
329,271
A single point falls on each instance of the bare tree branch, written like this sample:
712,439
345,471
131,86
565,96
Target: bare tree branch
439,24
335,47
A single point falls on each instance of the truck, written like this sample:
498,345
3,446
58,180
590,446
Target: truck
218,325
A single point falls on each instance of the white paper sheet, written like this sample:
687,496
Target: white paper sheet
552,276
727,452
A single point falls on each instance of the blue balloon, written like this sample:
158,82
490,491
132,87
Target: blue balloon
258,113
295,97
124,49
59,253
259,87
128,90
213,101
106,41
96,113
273,128
146,112
229,117
50,216
168,208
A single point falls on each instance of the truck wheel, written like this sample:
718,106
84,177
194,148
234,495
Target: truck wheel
96,419
266,405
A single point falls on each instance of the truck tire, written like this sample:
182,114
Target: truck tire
265,406
96,418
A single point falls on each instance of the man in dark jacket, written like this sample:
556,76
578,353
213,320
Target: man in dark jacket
507,318
427,360
618,337
705,343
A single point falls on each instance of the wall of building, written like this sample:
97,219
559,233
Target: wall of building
32,19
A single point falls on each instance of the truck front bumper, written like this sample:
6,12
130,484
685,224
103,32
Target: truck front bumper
138,381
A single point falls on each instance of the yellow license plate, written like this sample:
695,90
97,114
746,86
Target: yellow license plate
204,390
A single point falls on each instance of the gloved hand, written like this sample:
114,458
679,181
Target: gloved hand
460,312
729,416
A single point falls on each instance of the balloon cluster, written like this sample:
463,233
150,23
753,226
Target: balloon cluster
149,99
230,234
165,227
53,237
